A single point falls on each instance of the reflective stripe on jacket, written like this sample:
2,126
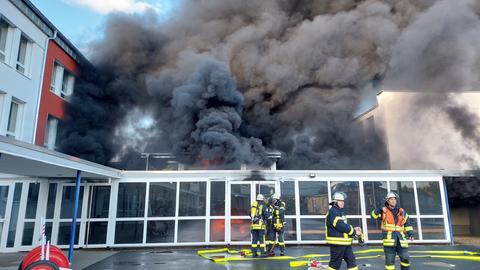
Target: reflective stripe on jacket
337,230
395,222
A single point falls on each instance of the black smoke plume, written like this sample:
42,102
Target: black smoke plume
224,80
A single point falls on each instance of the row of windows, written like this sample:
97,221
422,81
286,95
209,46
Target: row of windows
169,212
62,80
23,49
313,197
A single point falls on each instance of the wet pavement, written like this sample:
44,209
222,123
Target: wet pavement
188,259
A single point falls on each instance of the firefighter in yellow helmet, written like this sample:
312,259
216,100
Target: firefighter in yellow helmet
340,234
259,215
396,229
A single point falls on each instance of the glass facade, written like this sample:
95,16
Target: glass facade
169,212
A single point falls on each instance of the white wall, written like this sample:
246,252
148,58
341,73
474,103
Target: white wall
22,87
420,136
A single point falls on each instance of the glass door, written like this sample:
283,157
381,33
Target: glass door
4,188
238,215
97,215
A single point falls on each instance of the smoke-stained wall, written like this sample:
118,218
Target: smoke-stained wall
226,80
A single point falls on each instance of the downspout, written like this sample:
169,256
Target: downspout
37,109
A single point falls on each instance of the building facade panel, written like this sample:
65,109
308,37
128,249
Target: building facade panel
22,52
56,88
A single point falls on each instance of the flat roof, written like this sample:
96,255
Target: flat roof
21,158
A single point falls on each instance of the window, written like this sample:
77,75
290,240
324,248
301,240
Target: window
97,233
32,201
162,198
3,206
313,197
217,230
4,30
68,201
313,229
67,84
191,231
14,119
62,81
291,229
288,196
160,231
375,192
57,71
405,190
240,200
217,199
192,200
23,54
429,198
64,230
240,229
51,133
127,232
131,201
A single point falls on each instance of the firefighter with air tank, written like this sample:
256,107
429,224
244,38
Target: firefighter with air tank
259,215
276,225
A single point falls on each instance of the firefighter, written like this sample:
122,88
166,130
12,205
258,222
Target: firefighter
270,232
277,225
340,234
259,215
396,229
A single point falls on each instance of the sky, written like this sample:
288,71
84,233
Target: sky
82,21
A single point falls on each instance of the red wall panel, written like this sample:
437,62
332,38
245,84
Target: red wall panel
51,104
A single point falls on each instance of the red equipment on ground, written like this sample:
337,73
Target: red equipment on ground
45,256
57,260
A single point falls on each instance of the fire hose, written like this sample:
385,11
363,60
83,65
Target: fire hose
210,254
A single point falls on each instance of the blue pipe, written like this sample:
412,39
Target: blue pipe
448,212
74,218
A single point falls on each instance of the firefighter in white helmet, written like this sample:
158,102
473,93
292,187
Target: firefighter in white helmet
396,229
259,215
275,228
340,234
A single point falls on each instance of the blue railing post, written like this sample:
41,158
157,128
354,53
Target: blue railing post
74,218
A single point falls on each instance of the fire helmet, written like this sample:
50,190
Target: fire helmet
391,195
276,196
339,196
260,197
